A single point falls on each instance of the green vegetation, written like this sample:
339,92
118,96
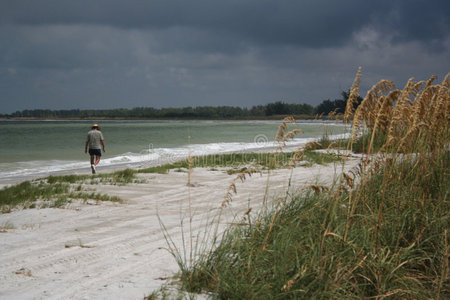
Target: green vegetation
200,112
49,193
269,111
382,232
359,145
56,191
119,177
336,106
164,169
237,161
29,192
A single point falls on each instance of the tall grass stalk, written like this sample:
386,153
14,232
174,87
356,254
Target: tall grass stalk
189,184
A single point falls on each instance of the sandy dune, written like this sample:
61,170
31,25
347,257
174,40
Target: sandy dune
117,250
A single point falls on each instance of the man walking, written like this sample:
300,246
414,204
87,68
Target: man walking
95,143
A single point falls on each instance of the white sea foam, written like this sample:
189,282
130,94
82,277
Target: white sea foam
146,157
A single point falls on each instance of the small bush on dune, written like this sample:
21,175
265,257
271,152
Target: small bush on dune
124,176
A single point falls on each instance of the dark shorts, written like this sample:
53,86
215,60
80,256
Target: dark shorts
96,152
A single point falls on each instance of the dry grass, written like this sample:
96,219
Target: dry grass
414,114
353,97
241,176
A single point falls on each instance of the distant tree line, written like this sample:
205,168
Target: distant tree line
200,112
337,106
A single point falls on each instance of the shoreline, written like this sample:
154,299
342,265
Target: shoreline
11,180
28,166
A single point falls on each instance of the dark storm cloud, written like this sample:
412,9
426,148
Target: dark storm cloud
110,53
313,23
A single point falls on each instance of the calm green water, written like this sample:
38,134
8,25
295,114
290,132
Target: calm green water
30,146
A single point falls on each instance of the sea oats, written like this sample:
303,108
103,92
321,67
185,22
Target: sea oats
401,110
408,137
446,81
291,134
348,179
282,135
368,111
298,156
242,176
313,145
353,97
316,188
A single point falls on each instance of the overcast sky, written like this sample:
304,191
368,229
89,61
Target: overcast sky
92,54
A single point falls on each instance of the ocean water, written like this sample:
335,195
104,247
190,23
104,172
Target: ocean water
39,148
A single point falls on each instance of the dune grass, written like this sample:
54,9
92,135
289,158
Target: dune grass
57,191
238,161
117,178
382,232
46,193
28,192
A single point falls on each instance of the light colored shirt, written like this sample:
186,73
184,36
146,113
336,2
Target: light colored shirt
93,138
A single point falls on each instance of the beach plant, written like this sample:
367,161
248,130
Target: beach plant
72,178
381,232
53,191
120,177
165,168
124,176
27,192
167,293
239,162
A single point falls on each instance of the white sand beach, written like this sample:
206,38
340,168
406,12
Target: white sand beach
106,250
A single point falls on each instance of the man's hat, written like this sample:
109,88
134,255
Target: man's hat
95,126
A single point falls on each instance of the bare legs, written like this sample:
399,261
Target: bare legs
95,160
